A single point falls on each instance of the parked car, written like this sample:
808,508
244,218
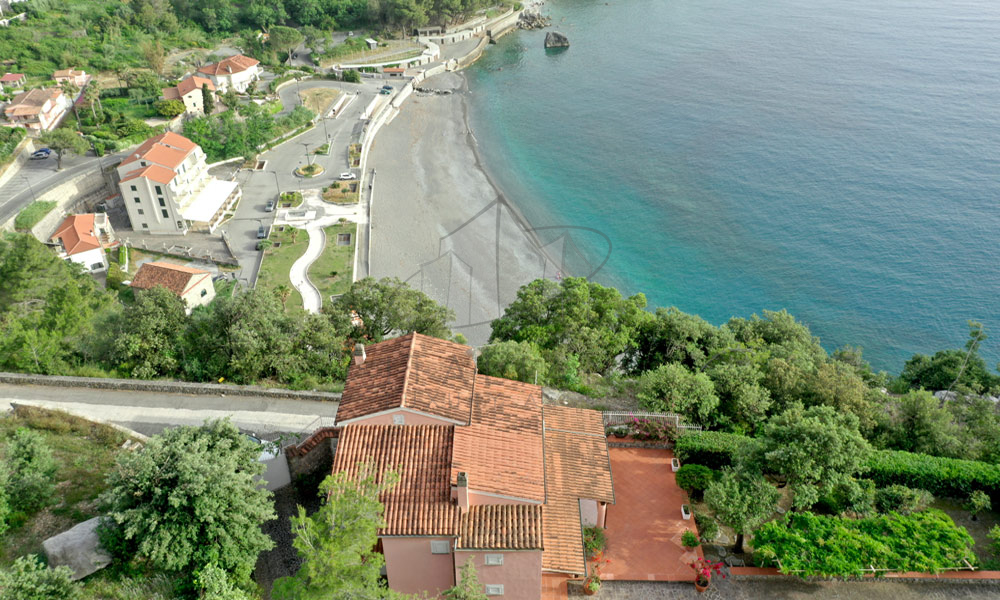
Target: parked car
41,153
347,176
385,91
387,87
269,206
262,232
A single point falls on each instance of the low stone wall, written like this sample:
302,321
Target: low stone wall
21,154
503,25
314,454
169,387
473,56
76,191
739,573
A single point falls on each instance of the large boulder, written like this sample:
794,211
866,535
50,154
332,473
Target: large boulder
79,549
554,39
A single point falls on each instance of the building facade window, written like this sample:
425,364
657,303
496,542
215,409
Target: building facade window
137,200
145,226
166,215
162,201
494,560
494,589
440,547
133,188
159,190
204,293
140,212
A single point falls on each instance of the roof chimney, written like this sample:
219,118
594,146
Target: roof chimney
359,354
463,491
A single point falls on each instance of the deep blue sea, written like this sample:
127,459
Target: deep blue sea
840,159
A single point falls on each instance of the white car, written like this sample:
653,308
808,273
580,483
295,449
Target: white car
347,176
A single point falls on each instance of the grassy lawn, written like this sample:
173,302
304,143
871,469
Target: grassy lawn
32,214
333,271
318,99
291,199
342,192
354,50
278,262
224,288
354,151
84,451
128,108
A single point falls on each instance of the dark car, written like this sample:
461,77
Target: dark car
269,206
262,232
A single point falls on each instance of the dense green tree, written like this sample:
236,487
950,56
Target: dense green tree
263,14
145,81
743,399
978,502
389,306
741,500
585,319
956,370
837,384
215,584
207,99
337,542
673,388
917,422
676,337
28,579
189,499
63,141
146,340
285,39
169,108
783,336
818,450
521,361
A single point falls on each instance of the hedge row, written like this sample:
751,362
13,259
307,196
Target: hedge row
940,476
713,449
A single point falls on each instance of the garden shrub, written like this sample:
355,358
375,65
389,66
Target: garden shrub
707,526
713,449
825,546
32,471
593,540
689,539
901,499
647,430
29,578
695,478
10,137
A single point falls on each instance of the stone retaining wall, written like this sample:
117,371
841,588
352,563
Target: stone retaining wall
314,454
68,196
169,387
740,573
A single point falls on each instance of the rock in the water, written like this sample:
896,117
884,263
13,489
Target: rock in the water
78,549
554,39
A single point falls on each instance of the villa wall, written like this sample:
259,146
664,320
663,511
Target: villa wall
520,574
413,569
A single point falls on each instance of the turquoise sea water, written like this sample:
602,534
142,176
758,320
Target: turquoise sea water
840,159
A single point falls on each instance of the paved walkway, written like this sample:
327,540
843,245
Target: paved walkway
644,526
795,589
312,301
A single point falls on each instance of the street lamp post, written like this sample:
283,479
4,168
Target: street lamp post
28,181
308,156
276,186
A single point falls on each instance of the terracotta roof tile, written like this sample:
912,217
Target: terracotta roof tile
414,371
420,504
155,172
31,102
502,527
170,150
77,234
12,78
580,420
501,450
228,66
563,536
192,83
68,73
176,278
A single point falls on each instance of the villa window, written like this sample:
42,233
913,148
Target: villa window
204,293
145,226
494,589
162,201
166,215
493,560
142,163
137,201
140,212
440,547
133,189
159,190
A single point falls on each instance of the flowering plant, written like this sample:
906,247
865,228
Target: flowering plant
594,581
704,569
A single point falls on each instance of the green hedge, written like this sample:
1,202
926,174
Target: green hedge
825,546
10,137
713,449
939,476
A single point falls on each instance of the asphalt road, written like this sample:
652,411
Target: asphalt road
151,412
278,175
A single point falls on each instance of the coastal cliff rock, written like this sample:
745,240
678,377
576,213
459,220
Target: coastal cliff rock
532,19
554,39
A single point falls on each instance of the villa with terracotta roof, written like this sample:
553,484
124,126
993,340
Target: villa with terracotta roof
237,72
167,189
12,81
193,286
83,238
77,78
487,473
189,91
40,109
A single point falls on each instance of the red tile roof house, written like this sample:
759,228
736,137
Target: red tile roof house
38,109
193,286
487,473
78,78
83,238
189,91
12,81
237,72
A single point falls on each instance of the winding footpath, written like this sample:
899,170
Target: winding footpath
312,301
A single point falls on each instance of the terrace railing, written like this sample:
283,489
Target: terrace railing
613,418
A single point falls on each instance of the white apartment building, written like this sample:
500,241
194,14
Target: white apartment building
167,189
237,72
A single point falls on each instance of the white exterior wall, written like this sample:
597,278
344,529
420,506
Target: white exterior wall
193,102
239,81
90,258
143,202
201,294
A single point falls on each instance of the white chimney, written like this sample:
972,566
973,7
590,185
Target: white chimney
359,354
